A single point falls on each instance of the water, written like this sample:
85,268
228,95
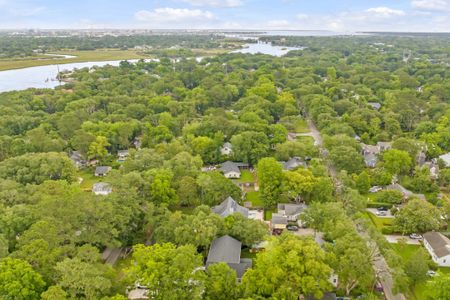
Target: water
266,48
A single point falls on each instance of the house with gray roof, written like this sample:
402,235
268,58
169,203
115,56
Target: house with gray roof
438,245
102,188
232,170
123,155
446,159
291,211
227,149
102,171
78,160
228,250
278,221
370,160
375,105
384,146
293,163
228,207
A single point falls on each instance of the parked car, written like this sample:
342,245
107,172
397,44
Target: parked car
431,273
382,208
415,236
375,189
292,227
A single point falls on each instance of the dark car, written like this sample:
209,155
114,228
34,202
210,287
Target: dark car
292,227
382,208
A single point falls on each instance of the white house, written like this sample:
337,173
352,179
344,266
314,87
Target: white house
232,170
227,149
446,159
102,188
438,246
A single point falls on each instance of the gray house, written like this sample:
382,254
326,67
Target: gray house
293,164
102,188
291,211
232,170
78,160
228,207
228,250
102,171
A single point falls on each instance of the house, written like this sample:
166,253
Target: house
291,211
397,187
370,160
78,160
122,154
138,294
384,146
438,246
421,159
228,207
232,170
293,163
370,149
375,105
227,149
102,171
446,159
228,250
102,188
137,142
278,222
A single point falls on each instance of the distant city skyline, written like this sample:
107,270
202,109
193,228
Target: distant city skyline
339,16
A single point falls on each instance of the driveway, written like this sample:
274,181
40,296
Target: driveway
374,211
393,239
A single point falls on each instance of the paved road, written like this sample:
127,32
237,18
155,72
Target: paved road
379,265
374,211
394,239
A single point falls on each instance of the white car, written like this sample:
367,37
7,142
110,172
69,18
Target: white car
415,236
381,213
431,273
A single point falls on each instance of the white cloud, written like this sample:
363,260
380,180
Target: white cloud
431,5
215,3
26,12
302,16
278,24
167,15
385,12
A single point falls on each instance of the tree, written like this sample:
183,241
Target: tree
417,216
438,287
417,266
250,146
161,190
221,282
248,231
397,162
19,281
283,273
270,179
347,158
363,182
54,292
214,188
160,266
389,196
98,148
298,183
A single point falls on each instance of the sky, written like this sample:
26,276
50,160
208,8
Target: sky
338,15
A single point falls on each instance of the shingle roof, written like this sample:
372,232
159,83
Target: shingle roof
439,243
227,145
293,163
375,105
291,209
225,249
102,170
229,166
101,187
446,159
228,207
279,219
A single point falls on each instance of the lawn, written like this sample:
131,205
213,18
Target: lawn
268,214
88,179
81,56
301,126
405,251
380,223
254,198
306,140
245,253
247,176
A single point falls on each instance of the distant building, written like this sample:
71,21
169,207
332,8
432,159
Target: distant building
278,221
102,171
293,163
384,146
446,159
375,105
227,149
78,160
232,170
291,211
123,155
228,207
138,294
370,160
102,188
438,246
228,250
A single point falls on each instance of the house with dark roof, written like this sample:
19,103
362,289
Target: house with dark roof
228,250
102,171
293,163
102,188
232,170
370,160
278,222
228,207
438,245
123,155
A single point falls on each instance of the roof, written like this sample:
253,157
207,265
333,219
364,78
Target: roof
225,249
375,105
398,187
138,294
384,144
439,243
228,207
279,219
370,149
291,209
102,170
101,187
446,159
370,159
122,152
77,156
293,163
242,266
227,145
229,166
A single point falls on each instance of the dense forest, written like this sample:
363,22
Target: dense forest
173,118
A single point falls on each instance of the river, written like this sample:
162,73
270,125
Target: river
45,76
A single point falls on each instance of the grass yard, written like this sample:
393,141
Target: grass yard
88,179
245,253
254,198
301,126
268,214
306,140
380,223
405,251
247,176
81,56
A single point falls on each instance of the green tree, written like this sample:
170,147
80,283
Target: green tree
347,158
248,231
363,182
417,216
250,146
221,282
417,266
19,281
161,189
438,287
397,162
283,273
98,148
270,179
54,292
160,265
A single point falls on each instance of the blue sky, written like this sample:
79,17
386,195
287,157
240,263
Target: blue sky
338,15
